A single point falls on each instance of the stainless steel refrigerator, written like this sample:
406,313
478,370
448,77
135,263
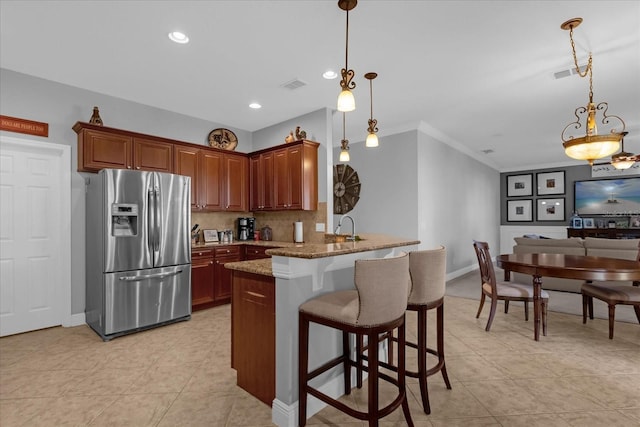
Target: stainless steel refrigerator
138,251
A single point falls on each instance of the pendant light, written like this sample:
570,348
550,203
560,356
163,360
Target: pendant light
623,160
344,151
372,138
346,101
592,145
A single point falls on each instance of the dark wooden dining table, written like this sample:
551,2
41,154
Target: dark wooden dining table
565,266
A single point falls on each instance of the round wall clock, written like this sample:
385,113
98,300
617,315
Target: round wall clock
223,138
346,189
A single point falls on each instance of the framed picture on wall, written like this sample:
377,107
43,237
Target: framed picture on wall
519,185
550,210
550,183
519,210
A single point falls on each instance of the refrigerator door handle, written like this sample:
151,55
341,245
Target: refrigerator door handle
157,207
151,207
149,276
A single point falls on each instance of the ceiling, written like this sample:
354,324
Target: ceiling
478,74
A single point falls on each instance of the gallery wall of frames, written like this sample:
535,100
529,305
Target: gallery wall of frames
546,197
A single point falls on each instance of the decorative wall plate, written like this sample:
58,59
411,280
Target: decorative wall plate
346,189
223,138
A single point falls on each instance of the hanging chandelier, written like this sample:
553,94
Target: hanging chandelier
592,145
372,138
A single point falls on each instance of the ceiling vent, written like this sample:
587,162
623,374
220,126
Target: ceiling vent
293,84
571,71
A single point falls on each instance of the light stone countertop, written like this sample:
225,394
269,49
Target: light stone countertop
368,242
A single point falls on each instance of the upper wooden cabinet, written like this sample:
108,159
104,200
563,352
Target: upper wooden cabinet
102,148
262,195
296,176
218,179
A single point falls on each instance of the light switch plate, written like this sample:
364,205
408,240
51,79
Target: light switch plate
320,227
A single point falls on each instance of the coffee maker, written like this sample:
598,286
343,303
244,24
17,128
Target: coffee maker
246,227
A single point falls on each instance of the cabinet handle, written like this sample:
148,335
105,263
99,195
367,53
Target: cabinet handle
128,167
210,262
138,167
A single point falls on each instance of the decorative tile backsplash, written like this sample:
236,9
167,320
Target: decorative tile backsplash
281,222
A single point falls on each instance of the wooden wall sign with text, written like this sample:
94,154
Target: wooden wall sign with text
13,124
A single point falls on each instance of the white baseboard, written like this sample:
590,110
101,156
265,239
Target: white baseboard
75,320
284,415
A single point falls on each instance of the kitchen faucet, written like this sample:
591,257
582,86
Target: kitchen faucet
353,227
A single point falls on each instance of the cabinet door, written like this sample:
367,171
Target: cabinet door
224,276
256,193
262,193
294,163
212,174
186,163
101,150
266,161
282,190
151,155
202,284
236,183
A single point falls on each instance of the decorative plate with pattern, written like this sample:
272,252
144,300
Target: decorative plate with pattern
223,138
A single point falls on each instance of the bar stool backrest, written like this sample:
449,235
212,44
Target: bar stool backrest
428,270
383,289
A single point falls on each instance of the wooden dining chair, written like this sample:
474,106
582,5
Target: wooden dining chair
505,291
612,293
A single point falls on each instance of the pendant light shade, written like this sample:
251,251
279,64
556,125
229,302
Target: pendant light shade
372,140
346,101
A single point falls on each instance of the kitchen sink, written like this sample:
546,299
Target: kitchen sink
339,238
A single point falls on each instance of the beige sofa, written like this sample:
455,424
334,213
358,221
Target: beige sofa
610,248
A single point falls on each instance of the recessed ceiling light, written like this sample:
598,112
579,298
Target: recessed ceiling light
329,74
255,105
178,37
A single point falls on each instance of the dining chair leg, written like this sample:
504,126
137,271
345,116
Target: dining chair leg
591,307
637,310
492,314
481,305
506,306
526,311
585,304
612,317
545,305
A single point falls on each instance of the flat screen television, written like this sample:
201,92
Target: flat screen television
618,196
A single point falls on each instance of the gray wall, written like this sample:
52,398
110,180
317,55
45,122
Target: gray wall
61,106
418,187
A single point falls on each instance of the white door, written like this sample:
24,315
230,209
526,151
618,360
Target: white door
34,235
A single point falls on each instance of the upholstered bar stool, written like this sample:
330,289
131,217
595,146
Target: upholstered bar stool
428,277
376,306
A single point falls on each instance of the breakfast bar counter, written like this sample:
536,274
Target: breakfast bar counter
265,301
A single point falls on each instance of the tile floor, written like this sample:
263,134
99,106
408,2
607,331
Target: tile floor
179,375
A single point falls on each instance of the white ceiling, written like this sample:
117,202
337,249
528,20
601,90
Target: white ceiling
477,73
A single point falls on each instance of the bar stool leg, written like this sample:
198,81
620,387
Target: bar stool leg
440,313
303,366
422,359
402,381
373,379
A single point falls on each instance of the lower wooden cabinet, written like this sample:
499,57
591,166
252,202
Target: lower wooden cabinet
253,334
256,252
210,281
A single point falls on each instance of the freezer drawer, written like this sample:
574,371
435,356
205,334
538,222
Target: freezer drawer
143,298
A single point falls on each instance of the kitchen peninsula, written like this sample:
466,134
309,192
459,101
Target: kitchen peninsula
266,297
